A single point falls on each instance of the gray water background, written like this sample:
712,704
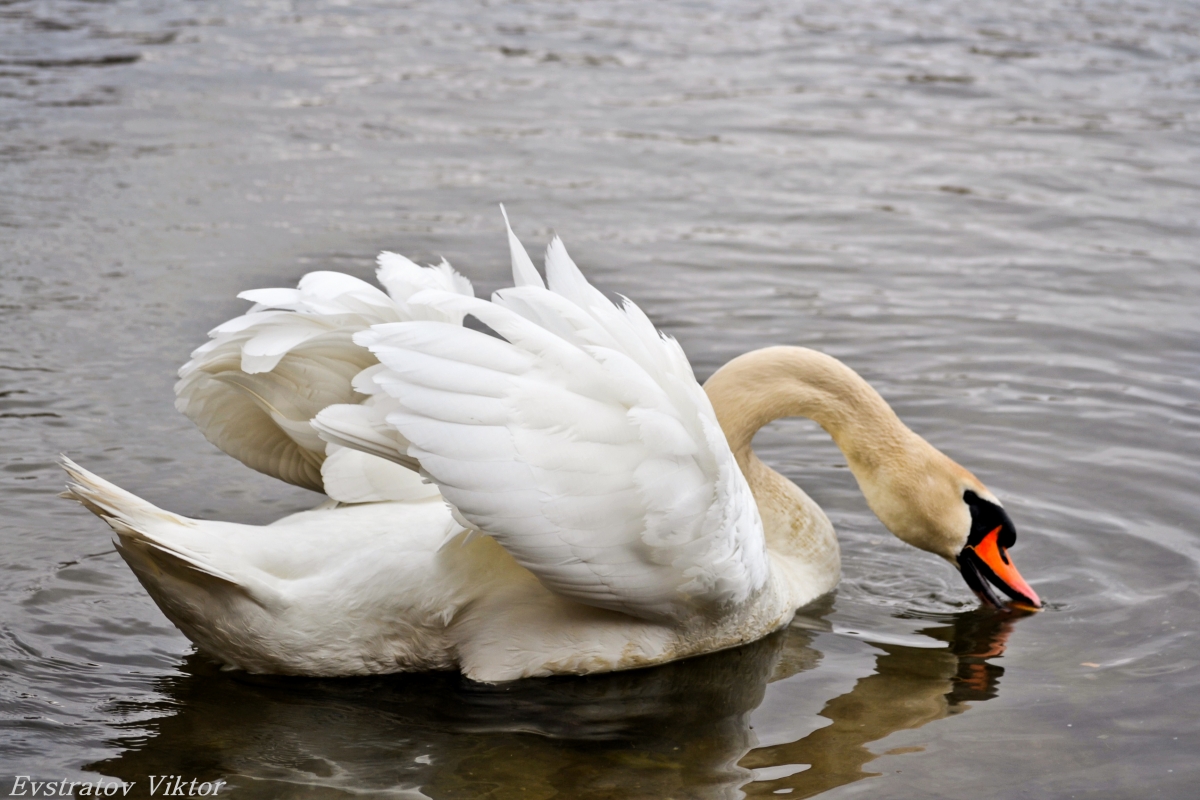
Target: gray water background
991,214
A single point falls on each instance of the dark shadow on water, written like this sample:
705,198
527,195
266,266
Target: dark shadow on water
680,730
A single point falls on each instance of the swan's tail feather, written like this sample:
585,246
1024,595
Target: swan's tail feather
139,526
109,501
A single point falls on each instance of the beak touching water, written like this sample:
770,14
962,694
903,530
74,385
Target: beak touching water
985,564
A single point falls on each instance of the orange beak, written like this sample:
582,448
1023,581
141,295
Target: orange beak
987,562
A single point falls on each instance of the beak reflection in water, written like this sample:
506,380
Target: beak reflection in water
681,729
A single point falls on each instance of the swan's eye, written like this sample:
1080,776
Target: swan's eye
986,516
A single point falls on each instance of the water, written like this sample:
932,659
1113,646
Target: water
992,215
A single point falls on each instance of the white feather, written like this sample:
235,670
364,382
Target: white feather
254,389
574,442
351,476
524,273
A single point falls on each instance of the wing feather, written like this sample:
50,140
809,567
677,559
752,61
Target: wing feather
524,273
579,439
255,387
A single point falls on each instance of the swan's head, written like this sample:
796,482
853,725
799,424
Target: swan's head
938,506
983,559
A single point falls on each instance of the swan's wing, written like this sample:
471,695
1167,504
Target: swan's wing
253,388
580,441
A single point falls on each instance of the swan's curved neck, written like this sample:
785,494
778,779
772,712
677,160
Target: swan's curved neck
776,382
912,487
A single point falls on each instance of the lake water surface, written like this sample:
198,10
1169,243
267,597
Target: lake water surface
994,216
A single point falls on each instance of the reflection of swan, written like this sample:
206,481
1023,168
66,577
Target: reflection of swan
911,686
678,730
628,520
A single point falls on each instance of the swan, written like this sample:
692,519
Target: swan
561,497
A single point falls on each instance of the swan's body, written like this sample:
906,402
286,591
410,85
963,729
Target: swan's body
586,505
388,587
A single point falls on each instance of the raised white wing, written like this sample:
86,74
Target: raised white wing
580,441
253,389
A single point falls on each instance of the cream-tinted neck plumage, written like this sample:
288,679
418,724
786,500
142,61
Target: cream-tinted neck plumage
914,489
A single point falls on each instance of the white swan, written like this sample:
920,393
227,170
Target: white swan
586,505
